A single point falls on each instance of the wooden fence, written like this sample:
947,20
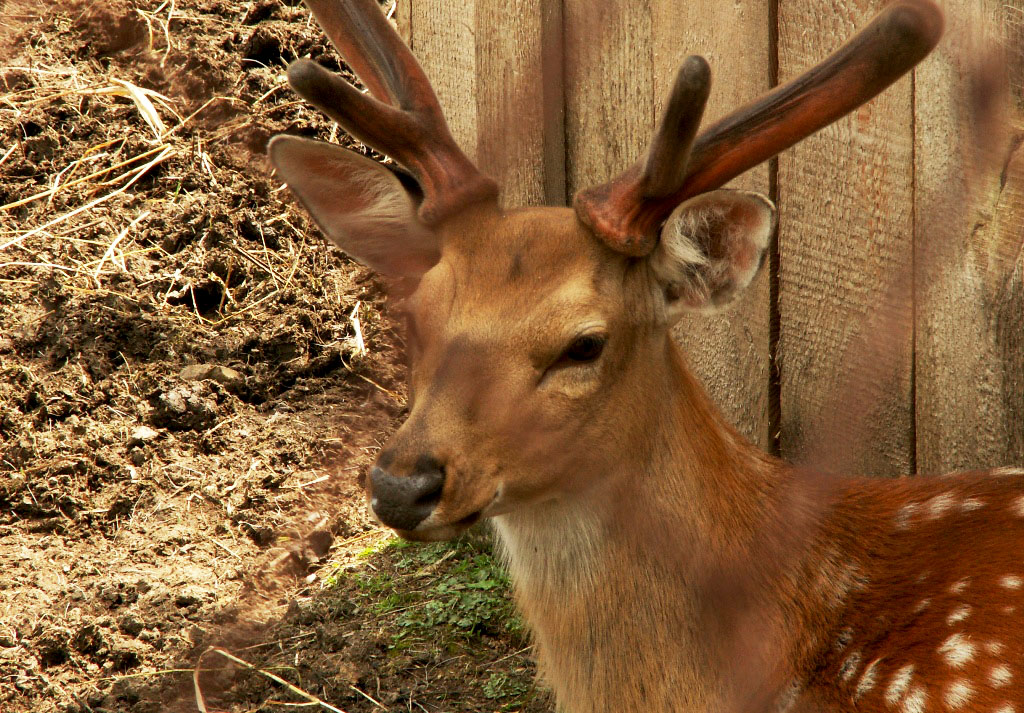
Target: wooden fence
888,334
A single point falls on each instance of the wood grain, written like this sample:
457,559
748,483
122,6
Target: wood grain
846,227
609,92
729,351
519,99
442,40
970,212
498,78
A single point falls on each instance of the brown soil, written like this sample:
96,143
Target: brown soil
191,386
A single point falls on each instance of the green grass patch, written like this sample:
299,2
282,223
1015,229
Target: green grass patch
421,620
444,592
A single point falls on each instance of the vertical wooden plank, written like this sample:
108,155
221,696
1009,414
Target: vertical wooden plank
609,100
846,227
492,65
441,35
970,208
729,351
519,99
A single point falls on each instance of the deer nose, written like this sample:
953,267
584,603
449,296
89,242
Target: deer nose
403,502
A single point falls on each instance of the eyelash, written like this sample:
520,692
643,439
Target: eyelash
584,349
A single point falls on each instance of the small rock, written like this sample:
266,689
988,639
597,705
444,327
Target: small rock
320,541
196,372
187,599
227,377
130,625
141,436
126,654
186,407
88,639
262,535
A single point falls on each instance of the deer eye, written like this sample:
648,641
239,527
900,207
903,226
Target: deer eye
584,349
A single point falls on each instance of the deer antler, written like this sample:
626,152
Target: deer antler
628,211
405,120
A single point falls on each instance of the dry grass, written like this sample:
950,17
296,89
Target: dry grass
96,203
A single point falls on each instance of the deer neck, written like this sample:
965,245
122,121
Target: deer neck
626,568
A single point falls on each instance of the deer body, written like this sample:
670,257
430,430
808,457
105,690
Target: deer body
662,562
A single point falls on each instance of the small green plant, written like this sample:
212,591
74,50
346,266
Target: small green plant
443,592
501,685
438,606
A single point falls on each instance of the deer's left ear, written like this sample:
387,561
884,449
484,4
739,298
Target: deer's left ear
711,248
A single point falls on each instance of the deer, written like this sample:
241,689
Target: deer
661,561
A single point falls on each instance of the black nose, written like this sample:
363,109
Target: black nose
402,502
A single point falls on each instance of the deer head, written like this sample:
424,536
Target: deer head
539,337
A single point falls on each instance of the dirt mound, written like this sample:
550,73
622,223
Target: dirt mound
191,385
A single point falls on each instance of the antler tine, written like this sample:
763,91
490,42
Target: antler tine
405,120
665,167
628,218
375,52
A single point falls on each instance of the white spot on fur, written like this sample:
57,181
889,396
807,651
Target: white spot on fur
939,506
1007,470
906,514
1012,581
915,700
1009,610
867,680
849,666
957,650
1000,675
959,586
836,590
1018,506
922,605
899,684
971,504
1005,708
994,647
958,694
859,582
844,639
959,614
789,697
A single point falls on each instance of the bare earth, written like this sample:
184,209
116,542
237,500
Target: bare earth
191,387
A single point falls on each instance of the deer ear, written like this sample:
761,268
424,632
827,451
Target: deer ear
711,248
359,204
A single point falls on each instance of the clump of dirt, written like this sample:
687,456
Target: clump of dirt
191,382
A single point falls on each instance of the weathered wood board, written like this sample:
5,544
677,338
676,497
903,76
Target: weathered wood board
846,231
496,68
970,236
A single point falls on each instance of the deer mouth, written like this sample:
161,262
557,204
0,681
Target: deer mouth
433,531
439,533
